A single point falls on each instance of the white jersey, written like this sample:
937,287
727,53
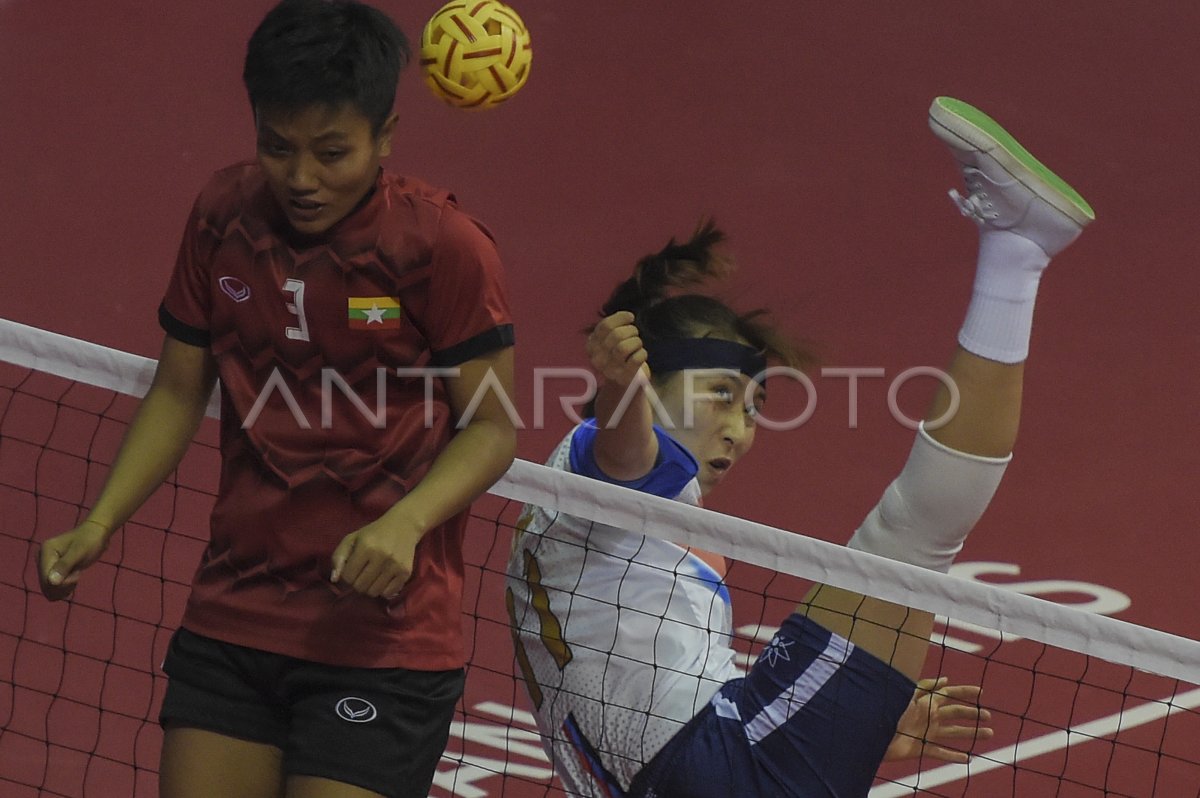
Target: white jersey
621,638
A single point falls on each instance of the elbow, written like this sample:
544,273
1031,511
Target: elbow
506,445
498,440
625,465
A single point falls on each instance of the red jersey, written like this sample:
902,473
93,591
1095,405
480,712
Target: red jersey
320,434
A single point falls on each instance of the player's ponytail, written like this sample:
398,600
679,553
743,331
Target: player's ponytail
675,266
660,294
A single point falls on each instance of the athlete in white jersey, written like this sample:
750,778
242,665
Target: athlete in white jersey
627,636
623,639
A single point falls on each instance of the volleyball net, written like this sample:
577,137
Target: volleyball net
1082,704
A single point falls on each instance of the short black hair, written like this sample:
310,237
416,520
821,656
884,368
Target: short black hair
325,52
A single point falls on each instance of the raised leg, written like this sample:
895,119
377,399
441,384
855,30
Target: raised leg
1025,214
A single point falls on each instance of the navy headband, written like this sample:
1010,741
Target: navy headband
677,354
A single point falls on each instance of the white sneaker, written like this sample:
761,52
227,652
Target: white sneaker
1007,188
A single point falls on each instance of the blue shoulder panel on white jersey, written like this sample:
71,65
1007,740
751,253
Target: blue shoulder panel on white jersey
705,573
673,470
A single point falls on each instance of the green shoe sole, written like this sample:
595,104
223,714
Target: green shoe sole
956,122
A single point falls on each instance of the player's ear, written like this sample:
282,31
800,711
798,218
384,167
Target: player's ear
383,141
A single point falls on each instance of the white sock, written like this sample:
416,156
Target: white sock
1000,315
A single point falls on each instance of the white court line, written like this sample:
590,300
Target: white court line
1037,746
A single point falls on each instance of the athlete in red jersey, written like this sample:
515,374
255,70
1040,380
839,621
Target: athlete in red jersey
296,343
352,316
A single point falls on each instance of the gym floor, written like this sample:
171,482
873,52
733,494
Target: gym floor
801,128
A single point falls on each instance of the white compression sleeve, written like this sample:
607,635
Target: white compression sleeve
928,510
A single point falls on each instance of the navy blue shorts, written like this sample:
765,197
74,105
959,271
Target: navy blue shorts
812,719
382,729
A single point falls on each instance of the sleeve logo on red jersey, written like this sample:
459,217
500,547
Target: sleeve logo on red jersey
373,313
234,288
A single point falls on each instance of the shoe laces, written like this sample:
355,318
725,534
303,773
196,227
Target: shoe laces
976,205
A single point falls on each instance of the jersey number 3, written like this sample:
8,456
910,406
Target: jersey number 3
294,289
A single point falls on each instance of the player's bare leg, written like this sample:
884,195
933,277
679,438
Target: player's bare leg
200,764
313,787
1026,215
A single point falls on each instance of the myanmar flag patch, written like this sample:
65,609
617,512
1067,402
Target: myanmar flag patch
373,313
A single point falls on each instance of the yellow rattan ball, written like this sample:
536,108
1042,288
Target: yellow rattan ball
475,53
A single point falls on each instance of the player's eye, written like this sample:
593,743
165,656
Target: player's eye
332,155
723,393
272,149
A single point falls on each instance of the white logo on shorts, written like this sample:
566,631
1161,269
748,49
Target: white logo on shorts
356,710
777,650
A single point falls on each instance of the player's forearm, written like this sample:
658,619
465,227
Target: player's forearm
157,438
475,458
625,447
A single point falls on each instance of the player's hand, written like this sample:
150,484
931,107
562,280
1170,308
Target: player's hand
615,349
940,713
62,559
376,560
